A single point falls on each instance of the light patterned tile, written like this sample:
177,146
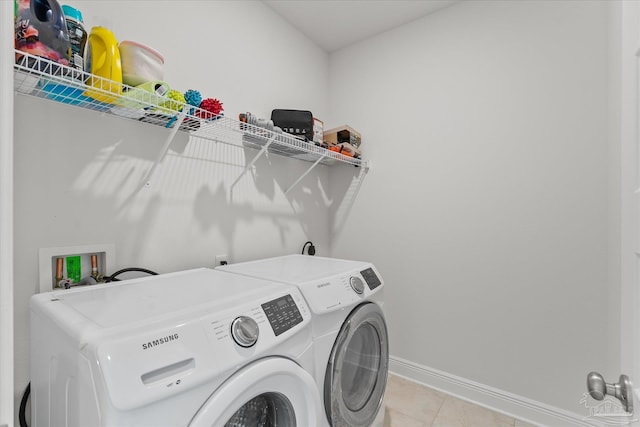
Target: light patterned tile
449,416
398,419
412,399
458,413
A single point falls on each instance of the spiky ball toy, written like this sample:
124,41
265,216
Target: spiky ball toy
193,97
212,108
176,100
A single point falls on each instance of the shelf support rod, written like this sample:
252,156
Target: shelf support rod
174,130
366,166
305,174
251,163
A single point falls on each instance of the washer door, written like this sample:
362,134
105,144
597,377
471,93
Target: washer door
272,392
356,376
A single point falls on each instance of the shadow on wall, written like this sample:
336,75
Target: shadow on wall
274,175
207,213
346,183
97,179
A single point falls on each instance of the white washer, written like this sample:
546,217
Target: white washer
349,331
193,348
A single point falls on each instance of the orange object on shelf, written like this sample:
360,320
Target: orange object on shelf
340,149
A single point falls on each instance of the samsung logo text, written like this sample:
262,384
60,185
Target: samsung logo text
159,341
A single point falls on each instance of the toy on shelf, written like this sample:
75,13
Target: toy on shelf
175,102
210,109
166,115
193,97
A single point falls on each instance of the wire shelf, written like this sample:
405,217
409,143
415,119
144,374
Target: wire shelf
39,77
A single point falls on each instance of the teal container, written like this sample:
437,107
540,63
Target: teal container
77,35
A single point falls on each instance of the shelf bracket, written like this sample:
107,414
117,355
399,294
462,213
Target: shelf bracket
146,181
249,165
366,166
305,174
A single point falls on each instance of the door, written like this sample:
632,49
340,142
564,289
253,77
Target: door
630,198
356,375
627,16
271,392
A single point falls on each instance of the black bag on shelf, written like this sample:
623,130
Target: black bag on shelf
294,122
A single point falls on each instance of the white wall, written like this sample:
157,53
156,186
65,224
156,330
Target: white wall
77,172
487,206
6,221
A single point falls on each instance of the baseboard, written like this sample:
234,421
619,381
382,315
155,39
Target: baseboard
518,407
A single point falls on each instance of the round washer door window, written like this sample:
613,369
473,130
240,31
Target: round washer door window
265,410
270,392
356,375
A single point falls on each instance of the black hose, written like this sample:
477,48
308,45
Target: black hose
23,406
112,278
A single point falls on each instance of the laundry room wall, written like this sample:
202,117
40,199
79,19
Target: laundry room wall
78,172
488,206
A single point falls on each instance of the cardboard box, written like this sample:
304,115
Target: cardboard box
343,134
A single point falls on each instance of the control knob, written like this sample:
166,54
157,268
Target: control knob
245,331
357,285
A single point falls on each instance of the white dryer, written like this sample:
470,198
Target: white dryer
349,331
193,348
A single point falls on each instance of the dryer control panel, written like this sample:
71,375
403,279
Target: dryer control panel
341,290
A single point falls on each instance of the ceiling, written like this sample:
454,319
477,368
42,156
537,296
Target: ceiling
334,24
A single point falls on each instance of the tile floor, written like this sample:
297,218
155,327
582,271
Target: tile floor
413,405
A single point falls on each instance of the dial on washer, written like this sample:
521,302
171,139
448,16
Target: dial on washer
245,331
357,285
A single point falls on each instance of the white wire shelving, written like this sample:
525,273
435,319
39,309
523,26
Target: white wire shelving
41,78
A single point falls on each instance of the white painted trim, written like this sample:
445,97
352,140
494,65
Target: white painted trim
6,214
516,406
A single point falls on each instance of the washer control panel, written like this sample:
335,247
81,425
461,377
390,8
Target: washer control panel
282,313
189,340
369,276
